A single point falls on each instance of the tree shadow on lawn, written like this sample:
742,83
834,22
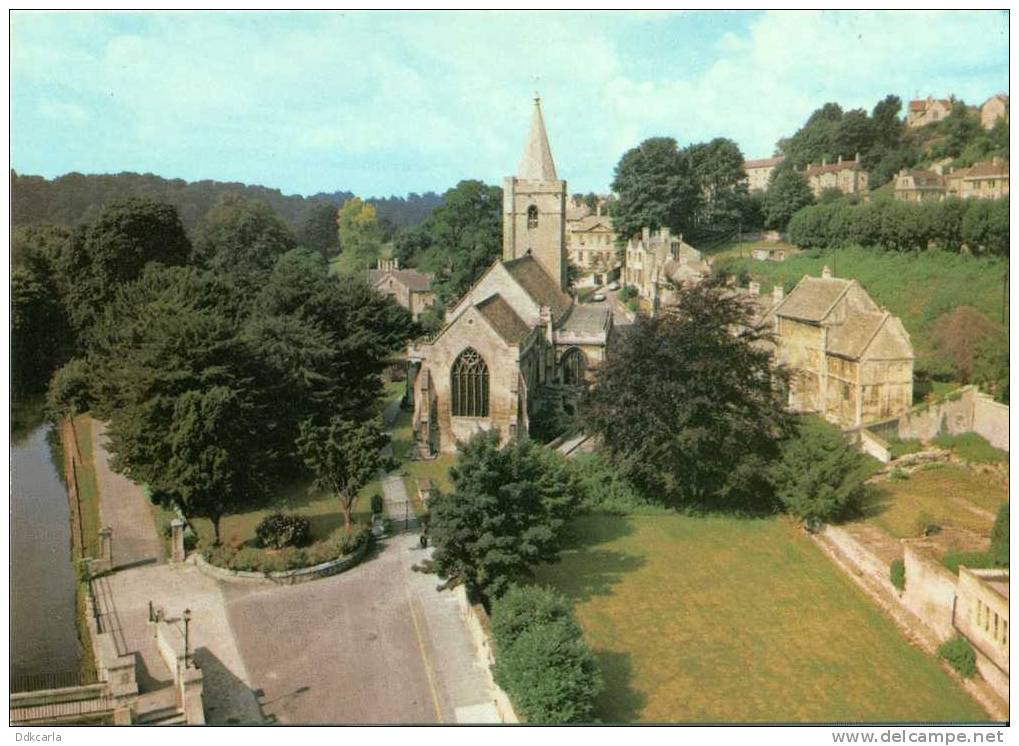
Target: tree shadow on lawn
587,569
876,500
619,702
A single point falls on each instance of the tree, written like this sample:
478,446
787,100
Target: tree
524,606
114,250
787,193
343,456
887,125
820,475
657,187
688,405
958,336
999,537
69,392
359,232
40,333
318,230
718,170
505,514
242,237
211,471
462,238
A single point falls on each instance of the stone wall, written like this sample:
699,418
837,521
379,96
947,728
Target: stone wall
990,420
930,590
477,624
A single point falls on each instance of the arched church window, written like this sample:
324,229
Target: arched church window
469,385
573,365
532,217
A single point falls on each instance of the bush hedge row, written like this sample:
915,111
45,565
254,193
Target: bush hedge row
254,559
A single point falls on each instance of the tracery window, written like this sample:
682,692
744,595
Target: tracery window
469,385
573,366
532,217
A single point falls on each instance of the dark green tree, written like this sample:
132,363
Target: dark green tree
241,237
718,170
688,410
657,187
40,333
343,456
787,193
820,475
504,516
318,230
525,606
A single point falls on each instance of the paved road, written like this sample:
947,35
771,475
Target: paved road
124,508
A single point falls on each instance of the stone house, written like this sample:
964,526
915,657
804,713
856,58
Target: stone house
769,253
516,329
845,175
655,262
984,180
850,361
981,614
918,185
408,287
591,248
759,172
926,111
993,109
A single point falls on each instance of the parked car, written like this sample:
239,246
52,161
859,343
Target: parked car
613,285
598,297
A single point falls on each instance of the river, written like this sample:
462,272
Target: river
43,634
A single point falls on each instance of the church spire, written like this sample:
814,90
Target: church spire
536,163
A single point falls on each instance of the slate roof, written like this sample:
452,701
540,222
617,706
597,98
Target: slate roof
536,283
812,298
589,222
413,280
922,104
815,169
923,179
987,169
536,162
763,162
586,318
851,338
504,319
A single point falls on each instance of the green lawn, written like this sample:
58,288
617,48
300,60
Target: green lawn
736,250
916,287
88,491
733,620
895,506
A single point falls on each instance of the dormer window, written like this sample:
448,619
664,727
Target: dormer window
532,217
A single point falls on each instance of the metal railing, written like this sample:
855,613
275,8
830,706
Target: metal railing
33,682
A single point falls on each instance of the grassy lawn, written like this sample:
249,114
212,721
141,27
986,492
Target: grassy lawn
723,619
88,492
735,250
917,287
895,506
973,448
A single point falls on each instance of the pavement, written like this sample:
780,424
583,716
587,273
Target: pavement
124,508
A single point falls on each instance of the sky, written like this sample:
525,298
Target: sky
383,103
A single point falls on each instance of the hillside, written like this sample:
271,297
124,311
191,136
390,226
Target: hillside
74,198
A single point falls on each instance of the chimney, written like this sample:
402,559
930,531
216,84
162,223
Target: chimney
396,262
754,288
777,293
646,233
840,159
665,233
857,158
826,272
824,161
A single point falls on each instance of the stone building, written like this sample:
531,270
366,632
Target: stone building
759,172
851,361
985,180
993,109
655,262
408,287
591,248
926,111
516,328
981,614
845,175
918,185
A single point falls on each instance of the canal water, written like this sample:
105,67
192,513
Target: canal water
43,634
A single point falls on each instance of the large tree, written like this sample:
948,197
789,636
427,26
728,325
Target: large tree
343,456
114,250
656,187
688,405
40,333
787,193
718,170
504,516
360,233
242,237
318,230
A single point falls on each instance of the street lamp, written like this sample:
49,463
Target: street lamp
187,640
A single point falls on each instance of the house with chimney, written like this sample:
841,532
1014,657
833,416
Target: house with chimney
924,111
993,109
656,263
919,185
591,244
408,287
759,172
846,175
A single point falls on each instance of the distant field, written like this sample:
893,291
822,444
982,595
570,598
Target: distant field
917,287
731,620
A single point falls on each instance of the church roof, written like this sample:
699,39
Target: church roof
504,320
536,282
413,280
587,318
536,163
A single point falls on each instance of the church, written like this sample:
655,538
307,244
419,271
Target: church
517,329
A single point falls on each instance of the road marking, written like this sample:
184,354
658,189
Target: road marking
424,656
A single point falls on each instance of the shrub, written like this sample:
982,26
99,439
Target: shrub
905,446
999,537
627,292
924,525
972,447
277,531
550,674
959,655
522,607
898,475
378,504
897,573
602,488
820,476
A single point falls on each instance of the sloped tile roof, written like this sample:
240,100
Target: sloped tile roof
504,319
851,338
410,278
586,317
763,162
812,298
539,285
589,222
987,169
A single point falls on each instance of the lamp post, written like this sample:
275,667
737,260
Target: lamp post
187,637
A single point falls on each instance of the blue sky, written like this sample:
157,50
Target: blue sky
388,102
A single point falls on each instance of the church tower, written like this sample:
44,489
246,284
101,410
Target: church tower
534,206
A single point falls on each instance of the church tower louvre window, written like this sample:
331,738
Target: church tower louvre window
469,385
532,217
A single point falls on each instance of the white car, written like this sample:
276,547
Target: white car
598,297
613,285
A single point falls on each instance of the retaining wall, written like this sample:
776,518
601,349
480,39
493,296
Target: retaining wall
286,577
930,590
477,624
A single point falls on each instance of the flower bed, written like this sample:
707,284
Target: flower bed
291,565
